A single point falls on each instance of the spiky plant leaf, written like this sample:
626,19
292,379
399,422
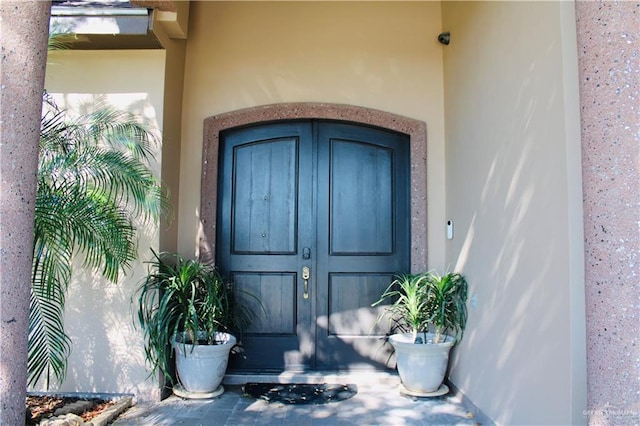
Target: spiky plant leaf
183,295
408,304
94,180
446,297
424,301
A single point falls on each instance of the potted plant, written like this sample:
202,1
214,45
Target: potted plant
430,312
188,307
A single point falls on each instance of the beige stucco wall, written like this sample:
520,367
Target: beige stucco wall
175,51
378,55
107,353
513,190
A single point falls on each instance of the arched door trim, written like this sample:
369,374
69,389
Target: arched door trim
291,111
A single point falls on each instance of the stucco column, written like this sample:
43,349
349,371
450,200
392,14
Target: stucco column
609,58
24,31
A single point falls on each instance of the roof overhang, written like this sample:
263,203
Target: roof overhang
103,24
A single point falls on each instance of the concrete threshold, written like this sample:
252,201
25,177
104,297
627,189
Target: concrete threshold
389,378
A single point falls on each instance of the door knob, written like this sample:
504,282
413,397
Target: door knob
306,273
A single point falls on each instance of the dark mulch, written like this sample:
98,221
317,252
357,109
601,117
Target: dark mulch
300,393
43,407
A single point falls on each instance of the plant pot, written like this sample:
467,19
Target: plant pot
201,368
421,367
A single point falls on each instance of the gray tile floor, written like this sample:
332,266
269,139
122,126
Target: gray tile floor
374,404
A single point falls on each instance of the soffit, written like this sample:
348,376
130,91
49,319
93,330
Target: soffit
104,24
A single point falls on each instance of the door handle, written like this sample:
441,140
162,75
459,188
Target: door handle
306,273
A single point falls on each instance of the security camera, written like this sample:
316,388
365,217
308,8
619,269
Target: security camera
444,38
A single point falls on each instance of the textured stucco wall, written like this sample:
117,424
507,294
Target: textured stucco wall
175,51
107,353
513,192
609,65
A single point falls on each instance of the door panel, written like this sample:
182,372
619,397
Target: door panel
273,298
265,197
350,298
333,197
363,240
260,228
360,198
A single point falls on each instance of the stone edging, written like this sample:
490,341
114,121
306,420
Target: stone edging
69,414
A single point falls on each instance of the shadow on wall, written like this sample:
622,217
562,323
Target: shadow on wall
107,352
513,244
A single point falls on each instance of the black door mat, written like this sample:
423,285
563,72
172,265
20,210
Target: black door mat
300,393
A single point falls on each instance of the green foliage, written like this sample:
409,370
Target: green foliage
184,295
423,301
59,40
94,179
446,299
409,305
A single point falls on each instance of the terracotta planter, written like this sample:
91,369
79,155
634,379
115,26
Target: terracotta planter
201,368
422,367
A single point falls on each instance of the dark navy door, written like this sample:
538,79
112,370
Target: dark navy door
313,220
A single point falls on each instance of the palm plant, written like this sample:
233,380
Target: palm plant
423,301
409,304
184,296
94,179
446,298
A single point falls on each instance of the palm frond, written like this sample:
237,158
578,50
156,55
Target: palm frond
94,182
60,40
49,346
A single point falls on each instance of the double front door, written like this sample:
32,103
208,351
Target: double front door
313,221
